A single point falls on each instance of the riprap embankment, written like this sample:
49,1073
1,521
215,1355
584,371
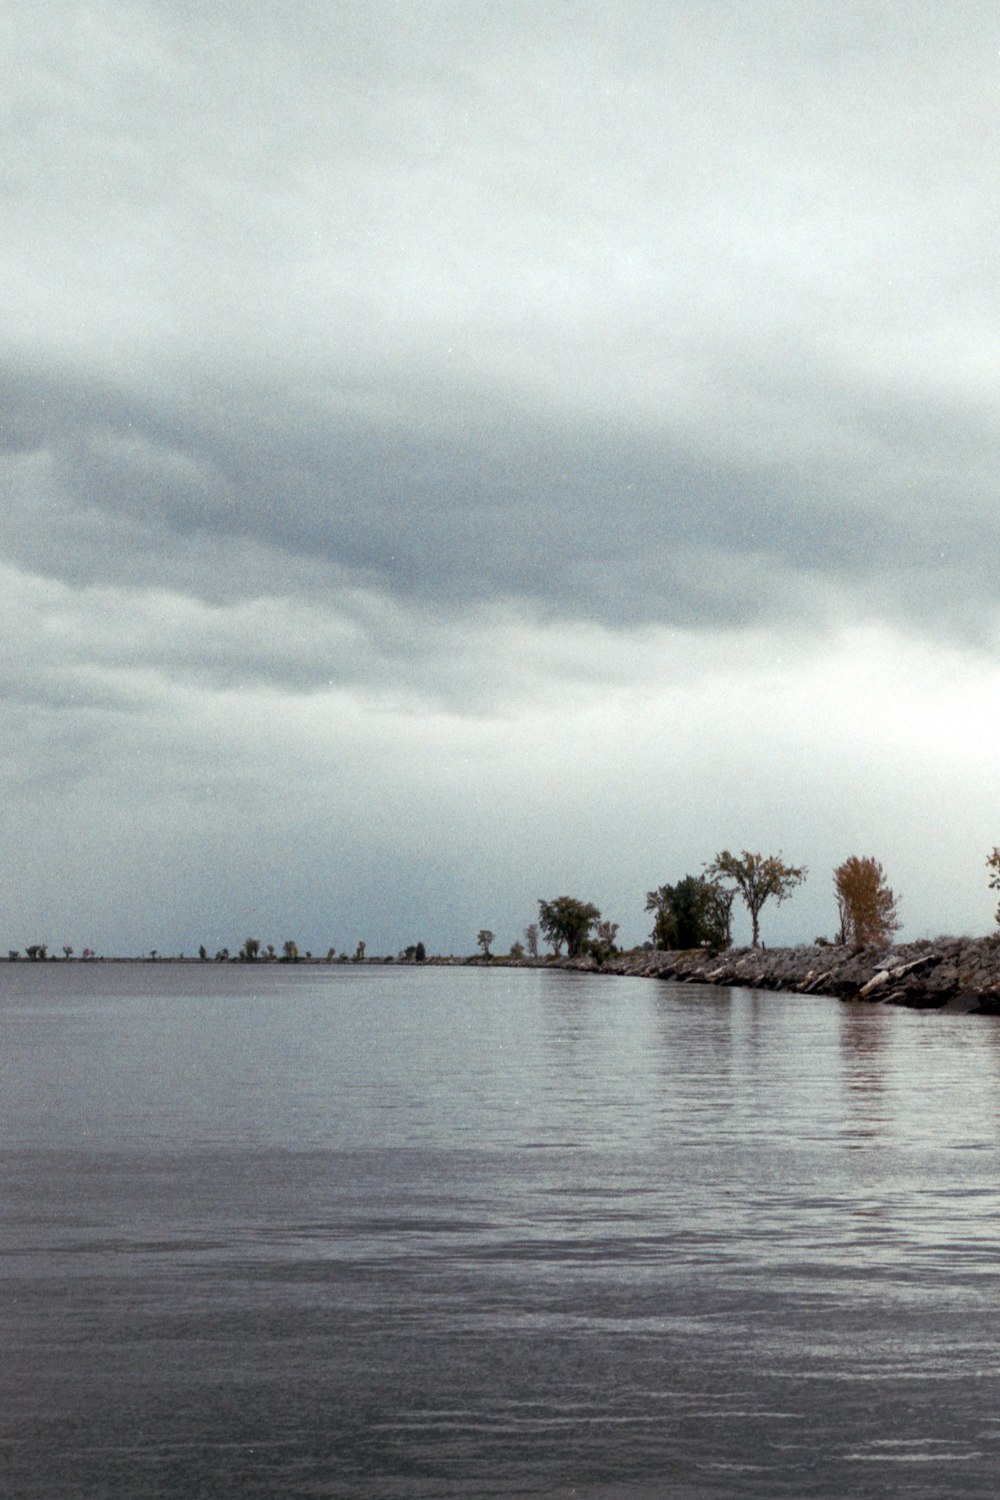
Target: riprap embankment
957,973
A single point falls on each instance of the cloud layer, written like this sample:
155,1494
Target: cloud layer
459,365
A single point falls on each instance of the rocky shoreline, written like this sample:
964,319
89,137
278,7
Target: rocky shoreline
956,974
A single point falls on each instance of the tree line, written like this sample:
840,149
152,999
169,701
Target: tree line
697,911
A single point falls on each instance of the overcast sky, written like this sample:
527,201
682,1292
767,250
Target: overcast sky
461,453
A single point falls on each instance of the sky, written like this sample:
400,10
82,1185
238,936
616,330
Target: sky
457,453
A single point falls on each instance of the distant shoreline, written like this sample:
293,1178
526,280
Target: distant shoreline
955,974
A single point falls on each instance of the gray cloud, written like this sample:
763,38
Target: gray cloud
564,515
455,361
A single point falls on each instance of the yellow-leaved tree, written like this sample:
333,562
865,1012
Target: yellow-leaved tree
866,903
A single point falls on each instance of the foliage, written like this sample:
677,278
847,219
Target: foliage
290,952
420,954
359,953
566,920
757,878
602,944
866,904
531,938
484,940
993,863
250,952
694,913
517,951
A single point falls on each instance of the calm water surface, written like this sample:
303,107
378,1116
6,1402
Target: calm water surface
372,1232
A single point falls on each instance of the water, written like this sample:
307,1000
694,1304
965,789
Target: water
362,1232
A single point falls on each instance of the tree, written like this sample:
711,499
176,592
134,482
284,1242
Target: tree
992,863
694,913
566,920
866,904
603,942
517,951
531,938
290,952
250,951
757,878
484,940
203,953
421,954
359,953
67,951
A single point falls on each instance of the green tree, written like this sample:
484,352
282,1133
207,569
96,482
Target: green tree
290,952
567,920
694,913
602,944
421,954
531,938
250,951
866,903
757,878
484,940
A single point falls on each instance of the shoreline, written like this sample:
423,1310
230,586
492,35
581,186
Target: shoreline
955,974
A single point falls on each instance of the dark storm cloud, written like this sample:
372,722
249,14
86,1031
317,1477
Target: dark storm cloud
572,518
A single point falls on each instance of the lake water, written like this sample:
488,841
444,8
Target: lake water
365,1232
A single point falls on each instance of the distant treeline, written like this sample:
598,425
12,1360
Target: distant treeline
696,912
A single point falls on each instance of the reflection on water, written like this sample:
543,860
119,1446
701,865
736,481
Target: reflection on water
472,1233
863,1041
